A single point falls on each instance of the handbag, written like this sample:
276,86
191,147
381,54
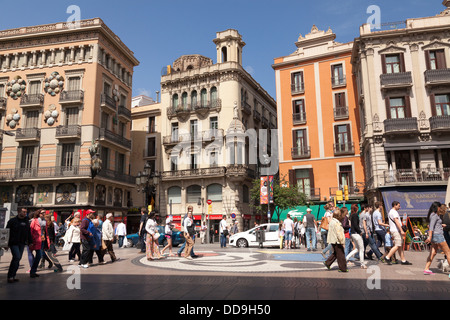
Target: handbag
324,224
156,236
67,246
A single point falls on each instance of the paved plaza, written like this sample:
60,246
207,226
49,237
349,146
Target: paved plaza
228,274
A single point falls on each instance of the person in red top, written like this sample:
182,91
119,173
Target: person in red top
37,237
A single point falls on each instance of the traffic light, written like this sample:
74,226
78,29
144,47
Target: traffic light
346,193
339,196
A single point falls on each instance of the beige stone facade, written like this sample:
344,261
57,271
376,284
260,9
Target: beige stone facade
403,83
206,109
61,90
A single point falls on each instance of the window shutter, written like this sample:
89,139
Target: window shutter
388,107
292,178
35,157
402,62
427,60
76,155
440,56
433,104
383,63
408,106
311,179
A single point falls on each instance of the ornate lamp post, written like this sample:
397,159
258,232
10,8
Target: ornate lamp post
147,182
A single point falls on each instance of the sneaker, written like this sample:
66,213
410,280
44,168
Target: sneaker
189,258
343,271
85,266
71,261
388,261
324,263
428,272
406,263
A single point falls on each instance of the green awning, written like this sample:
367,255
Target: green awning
318,212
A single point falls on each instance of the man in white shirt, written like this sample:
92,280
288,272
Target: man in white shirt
108,235
188,234
223,229
397,234
121,232
379,225
288,225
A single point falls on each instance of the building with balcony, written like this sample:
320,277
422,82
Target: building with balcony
317,118
65,96
206,110
405,116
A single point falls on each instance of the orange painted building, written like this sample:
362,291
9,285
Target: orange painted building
319,118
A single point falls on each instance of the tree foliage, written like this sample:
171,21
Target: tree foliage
285,196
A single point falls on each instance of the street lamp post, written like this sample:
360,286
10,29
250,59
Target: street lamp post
147,182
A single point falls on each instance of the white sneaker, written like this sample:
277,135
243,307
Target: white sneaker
85,266
189,258
71,261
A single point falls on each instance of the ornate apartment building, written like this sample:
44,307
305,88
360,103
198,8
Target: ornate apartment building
403,83
65,100
318,118
207,110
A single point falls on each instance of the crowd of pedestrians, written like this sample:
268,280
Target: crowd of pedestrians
357,236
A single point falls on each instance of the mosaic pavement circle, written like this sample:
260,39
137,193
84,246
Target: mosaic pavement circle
240,262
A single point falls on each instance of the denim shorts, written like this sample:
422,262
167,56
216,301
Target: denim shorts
437,238
288,236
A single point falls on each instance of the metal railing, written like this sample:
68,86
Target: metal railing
440,123
439,75
298,88
115,138
341,113
212,171
301,153
416,175
71,96
68,131
338,81
299,118
123,111
108,101
344,148
32,100
50,172
28,134
396,79
401,125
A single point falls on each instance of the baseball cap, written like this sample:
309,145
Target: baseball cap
90,211
309,209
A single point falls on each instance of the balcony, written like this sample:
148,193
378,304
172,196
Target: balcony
204,136
238,172
301,153
414,176
401,126
396,80
265,122
246,108
337,82
111,137
313,194
117,176
436,77
341,113
207,106
440,124
71,97
32,100
68,132
108,102
299,118
124,113
194,173
346,148
30,134
256,115
298,88
45,173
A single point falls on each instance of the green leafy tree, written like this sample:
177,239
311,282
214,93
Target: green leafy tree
285,196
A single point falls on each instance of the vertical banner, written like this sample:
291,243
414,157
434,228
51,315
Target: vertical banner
264,191
270,189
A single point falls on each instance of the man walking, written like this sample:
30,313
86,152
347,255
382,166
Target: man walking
189,231
86,237
108,235
142,230
379,225
367,235
310,229
223,231
121,231
19,237
397,233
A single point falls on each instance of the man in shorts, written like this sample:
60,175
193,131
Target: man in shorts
397,234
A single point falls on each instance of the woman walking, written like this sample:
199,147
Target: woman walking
49,245
356,236
37,239
336,238
436,235
168,231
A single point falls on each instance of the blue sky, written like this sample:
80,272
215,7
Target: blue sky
161,31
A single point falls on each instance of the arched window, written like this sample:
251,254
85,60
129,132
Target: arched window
193,193
175,101
184,100
213,95
174,195
194,99
204,97
224,54
214,192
